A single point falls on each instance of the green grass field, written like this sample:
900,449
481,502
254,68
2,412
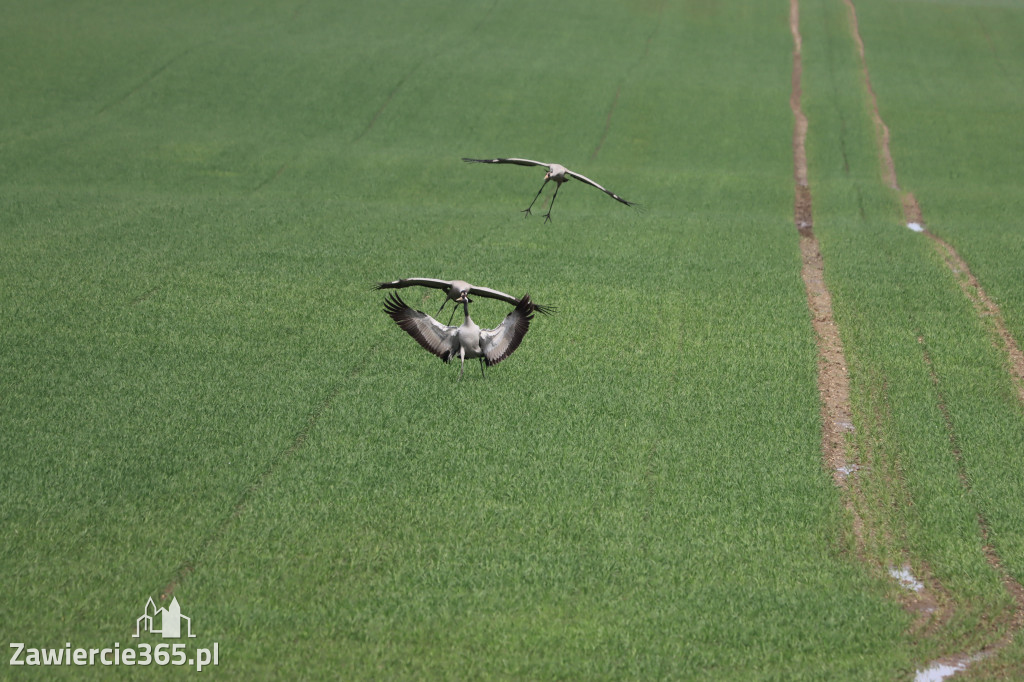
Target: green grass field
201,393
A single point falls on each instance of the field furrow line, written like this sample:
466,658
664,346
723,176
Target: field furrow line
145,295
618,89
408,74
387,100
607,123
270,178
149,78
189,565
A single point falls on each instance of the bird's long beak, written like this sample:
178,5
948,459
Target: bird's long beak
464,299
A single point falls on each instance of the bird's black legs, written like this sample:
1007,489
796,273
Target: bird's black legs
527,209
547,216
482,368
450,317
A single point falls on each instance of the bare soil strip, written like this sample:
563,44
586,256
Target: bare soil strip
802,200
1002,339
881,130
833,380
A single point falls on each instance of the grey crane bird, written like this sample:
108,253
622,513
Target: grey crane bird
456,290
467,340
556,172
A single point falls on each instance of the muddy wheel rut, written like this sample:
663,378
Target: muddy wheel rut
833,379
866,475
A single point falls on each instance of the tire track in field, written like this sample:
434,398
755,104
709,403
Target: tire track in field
986,309
802,201
833,379
188,566
1000,336
912,214
1015,621
842,460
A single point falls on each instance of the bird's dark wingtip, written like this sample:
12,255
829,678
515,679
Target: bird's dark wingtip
394,304
545,309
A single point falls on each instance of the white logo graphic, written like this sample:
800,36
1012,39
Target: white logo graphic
170,621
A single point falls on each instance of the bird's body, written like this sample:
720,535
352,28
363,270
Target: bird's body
458,289
556,172
468,340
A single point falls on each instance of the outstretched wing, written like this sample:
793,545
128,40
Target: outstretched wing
437,338
487,292
613,195
415,282
518,162
499,343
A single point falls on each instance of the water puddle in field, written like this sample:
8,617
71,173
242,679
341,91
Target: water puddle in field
916,227
906,578
848,469
940,671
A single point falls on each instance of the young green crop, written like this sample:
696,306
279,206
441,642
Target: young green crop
201,391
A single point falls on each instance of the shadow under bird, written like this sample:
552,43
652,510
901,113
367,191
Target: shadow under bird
456,290
559,174
467,340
